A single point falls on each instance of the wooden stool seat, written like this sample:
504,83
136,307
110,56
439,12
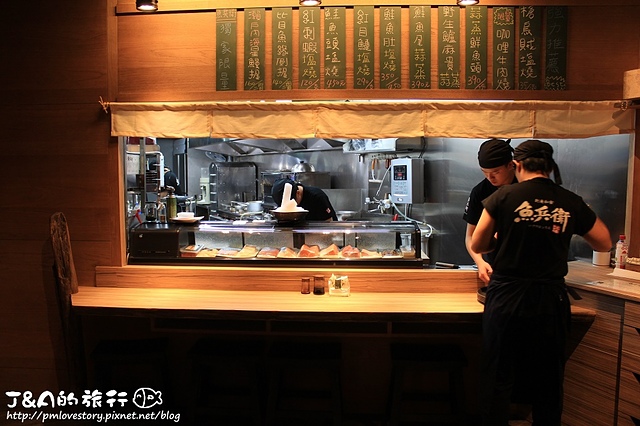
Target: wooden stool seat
304,383
226,381
409,360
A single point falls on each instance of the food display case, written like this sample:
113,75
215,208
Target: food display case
264,243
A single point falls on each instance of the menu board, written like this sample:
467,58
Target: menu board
528,42
419,47
448,47
555,76
530,47
309,48
363,53
390,47
335,55
476,48
504,56
254,45
281,45
226,49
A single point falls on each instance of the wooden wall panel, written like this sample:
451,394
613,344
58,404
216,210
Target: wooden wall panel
56,156
603,43
166,54
177,61
55,52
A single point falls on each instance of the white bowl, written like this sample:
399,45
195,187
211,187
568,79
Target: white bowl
186,215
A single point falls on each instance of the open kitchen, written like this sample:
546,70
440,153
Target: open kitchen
183,276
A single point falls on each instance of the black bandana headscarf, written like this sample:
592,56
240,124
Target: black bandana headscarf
495,153
537,149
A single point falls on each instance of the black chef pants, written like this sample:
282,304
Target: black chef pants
525,323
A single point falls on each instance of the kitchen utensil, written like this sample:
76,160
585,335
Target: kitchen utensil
346,214
303,167
293,216
254,206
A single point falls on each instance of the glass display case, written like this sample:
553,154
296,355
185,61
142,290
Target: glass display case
259,243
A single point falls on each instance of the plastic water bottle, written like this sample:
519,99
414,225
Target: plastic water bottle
621,252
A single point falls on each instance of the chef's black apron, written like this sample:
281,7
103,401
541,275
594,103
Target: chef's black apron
525,324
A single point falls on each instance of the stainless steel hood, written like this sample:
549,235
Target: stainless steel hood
242,147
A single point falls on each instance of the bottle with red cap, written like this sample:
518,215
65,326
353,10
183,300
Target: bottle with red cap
622,247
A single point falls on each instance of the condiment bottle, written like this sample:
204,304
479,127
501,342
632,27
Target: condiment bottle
318,284
172,204
622,248
305,285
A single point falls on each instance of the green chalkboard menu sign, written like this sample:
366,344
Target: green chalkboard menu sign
281,45
504,49
555,76
476,52
363,53
309,48
335,54
226,49
390,47
254,46
419,47
530,48
449,47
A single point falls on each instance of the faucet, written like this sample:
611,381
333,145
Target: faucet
381,205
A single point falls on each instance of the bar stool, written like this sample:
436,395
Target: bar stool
304,383
409,360
226,381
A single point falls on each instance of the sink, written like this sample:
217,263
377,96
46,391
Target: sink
376,217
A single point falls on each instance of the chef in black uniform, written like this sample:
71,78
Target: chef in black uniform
527,312
495,159
310,198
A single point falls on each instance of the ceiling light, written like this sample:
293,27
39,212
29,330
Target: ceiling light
310,2
468,2
147,5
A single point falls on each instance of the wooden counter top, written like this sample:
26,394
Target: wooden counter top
265,305
425,299
601,279
272,303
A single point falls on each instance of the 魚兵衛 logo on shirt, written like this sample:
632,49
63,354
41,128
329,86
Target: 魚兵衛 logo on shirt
558,217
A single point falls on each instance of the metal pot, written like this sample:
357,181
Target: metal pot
254,206
303,167
346,214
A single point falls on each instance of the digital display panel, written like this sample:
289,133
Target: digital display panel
400,172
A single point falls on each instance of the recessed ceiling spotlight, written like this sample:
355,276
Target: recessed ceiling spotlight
147,5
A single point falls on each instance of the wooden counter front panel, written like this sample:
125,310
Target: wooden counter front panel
629,408
591,375
632,314
286,279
